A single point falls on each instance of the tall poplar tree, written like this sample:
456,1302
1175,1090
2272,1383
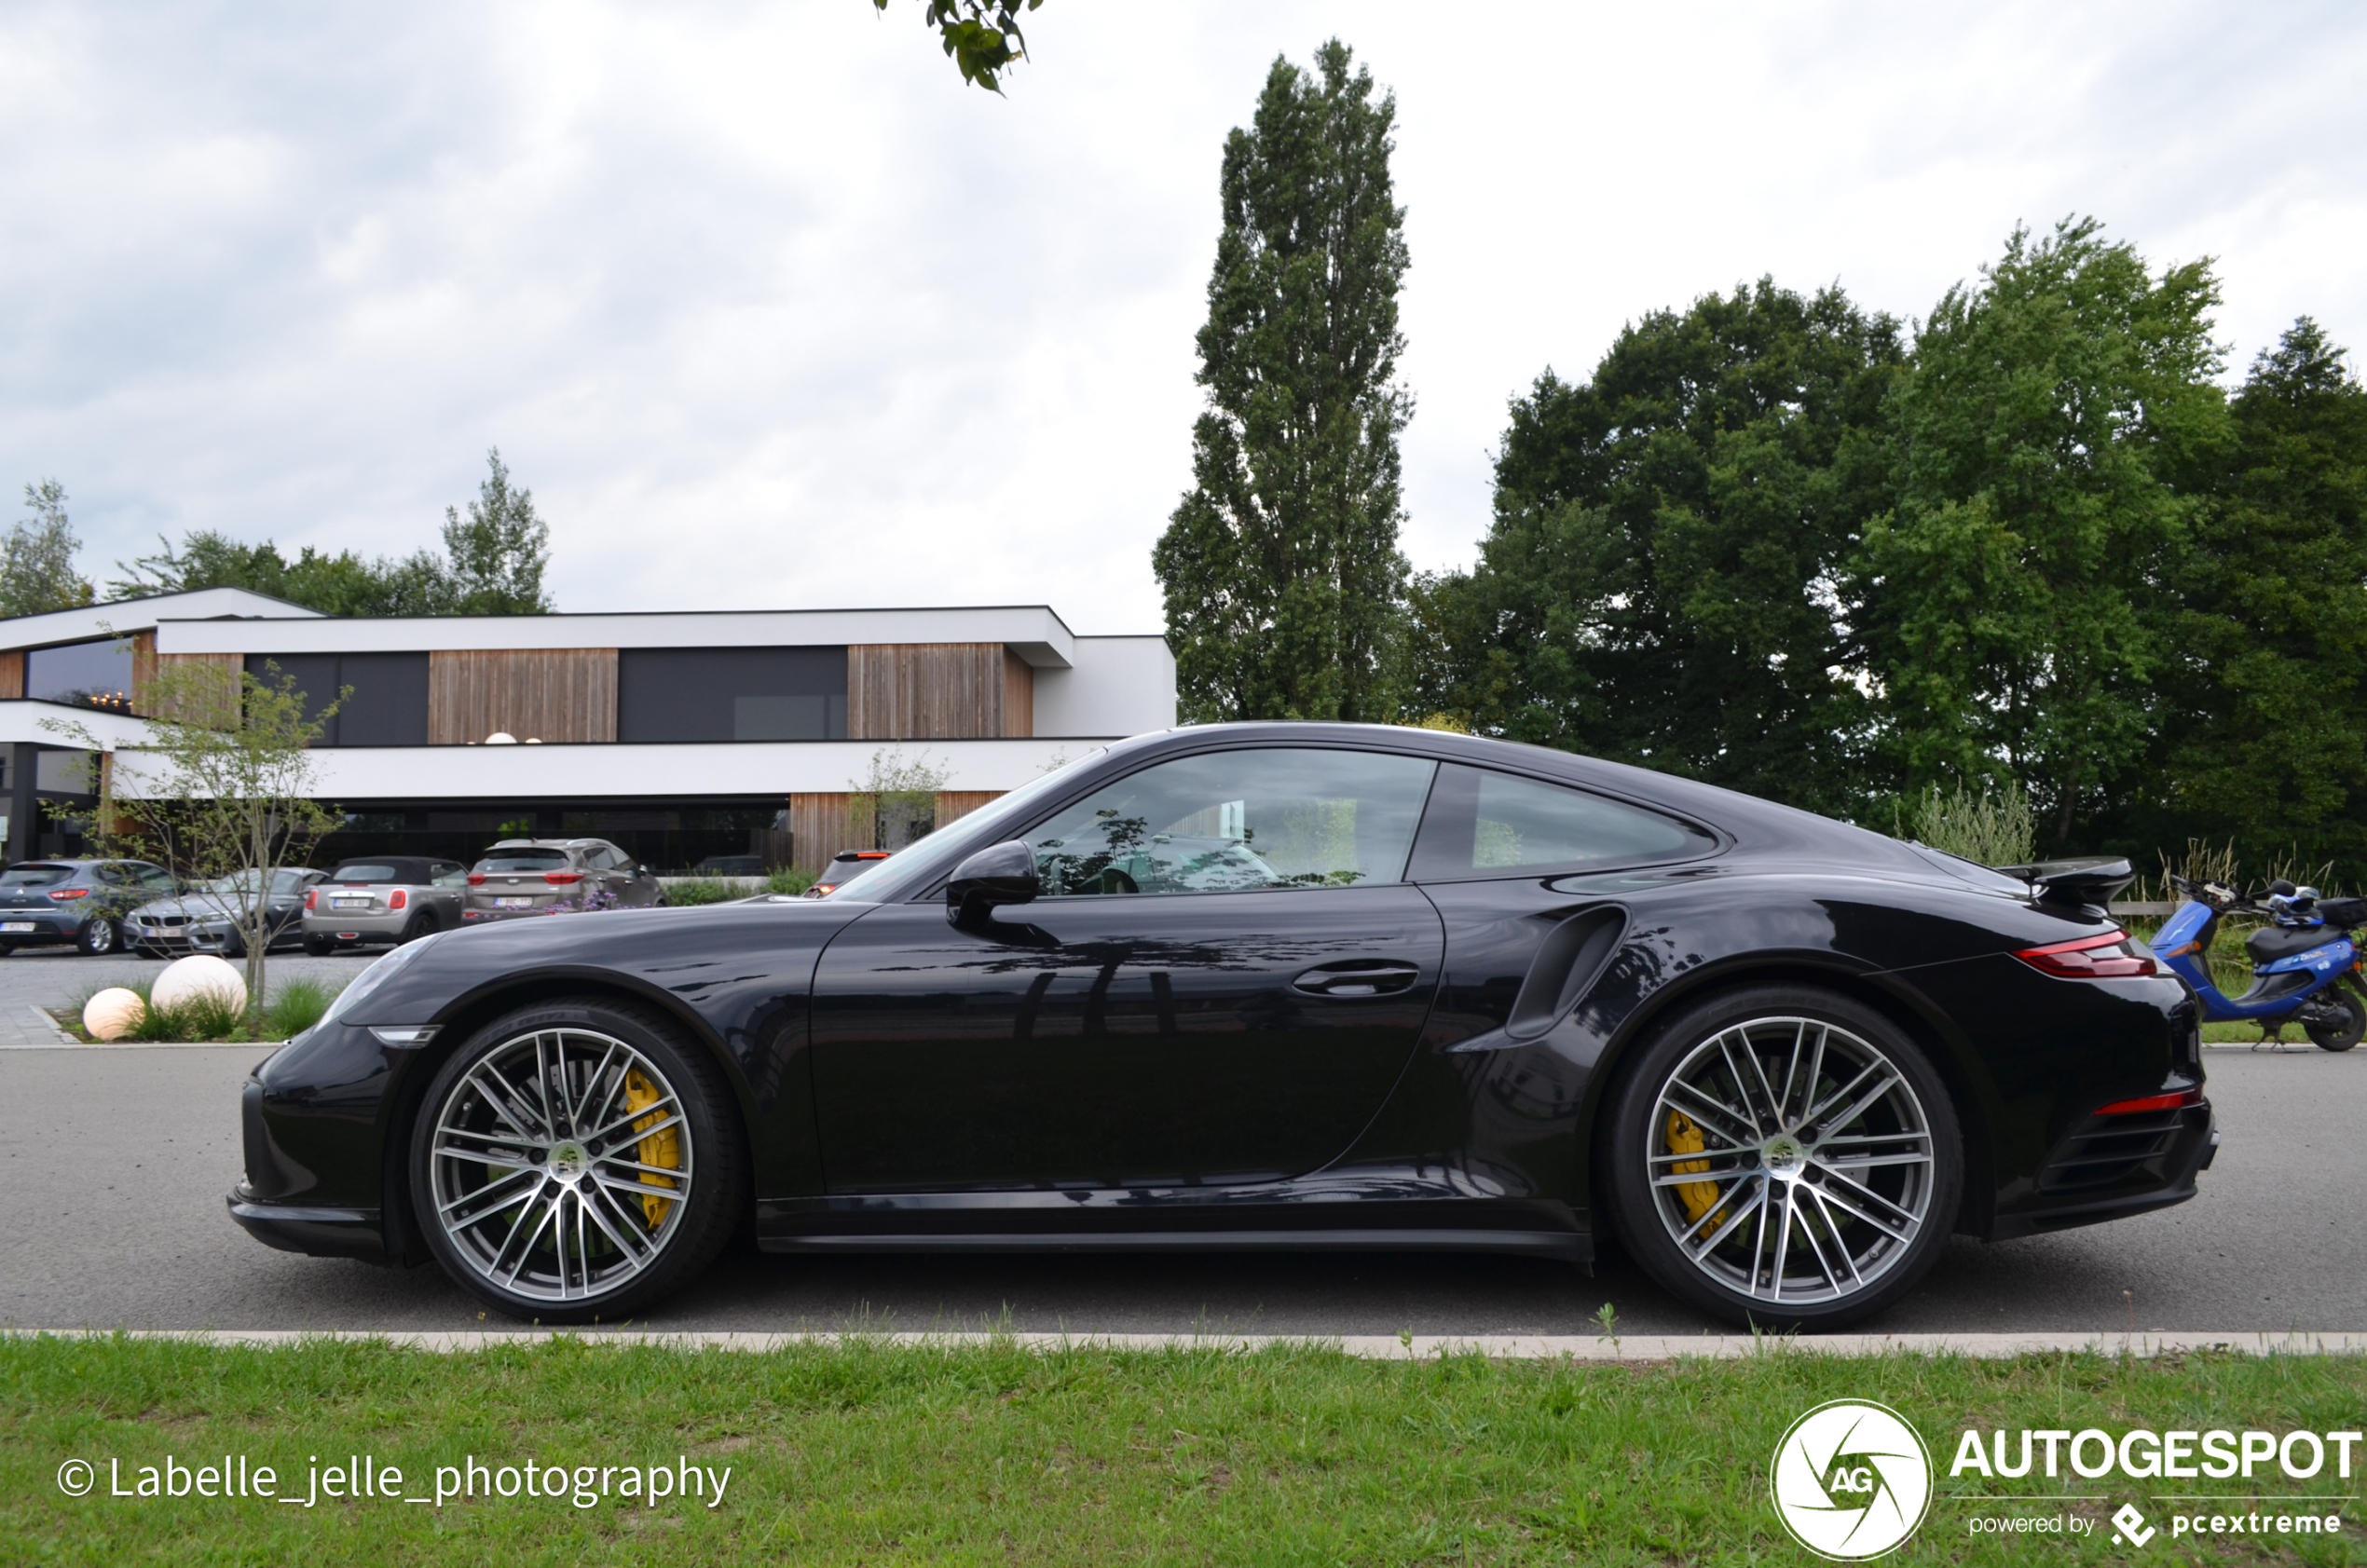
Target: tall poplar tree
1283,581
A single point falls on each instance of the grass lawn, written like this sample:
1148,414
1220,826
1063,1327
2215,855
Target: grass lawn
884,1453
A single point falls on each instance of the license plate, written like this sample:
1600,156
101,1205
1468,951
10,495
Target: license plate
498,904
350,903
18,925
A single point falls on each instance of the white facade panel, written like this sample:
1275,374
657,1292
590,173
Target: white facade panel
1116,686
25,720
137,614
586,772
1030,631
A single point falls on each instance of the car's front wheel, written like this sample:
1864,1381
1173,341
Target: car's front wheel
1786,1157
577,1161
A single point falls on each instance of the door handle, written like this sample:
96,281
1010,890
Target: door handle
1358,977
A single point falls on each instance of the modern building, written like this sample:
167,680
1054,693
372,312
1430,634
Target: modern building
677,736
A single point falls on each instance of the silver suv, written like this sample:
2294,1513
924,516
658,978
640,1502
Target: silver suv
553,877
383,898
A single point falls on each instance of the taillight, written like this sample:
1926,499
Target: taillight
2112,956
64,894
312,898
396,899
2178,1101
476,879
561,879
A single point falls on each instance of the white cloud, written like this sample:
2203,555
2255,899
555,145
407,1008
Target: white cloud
770,309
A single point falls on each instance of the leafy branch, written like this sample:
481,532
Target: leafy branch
982,36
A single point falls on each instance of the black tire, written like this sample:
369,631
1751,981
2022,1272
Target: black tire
98,938
1838,1249
424,924
681,1237
2338,1037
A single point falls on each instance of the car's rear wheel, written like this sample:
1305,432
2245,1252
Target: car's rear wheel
424,924
575,1161
98,938
1786,1157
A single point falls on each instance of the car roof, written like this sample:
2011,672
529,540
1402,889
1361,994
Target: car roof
415,865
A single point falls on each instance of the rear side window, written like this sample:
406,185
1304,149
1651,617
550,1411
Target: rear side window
448,875
524,859
1486,823
34,875
156,876
365,874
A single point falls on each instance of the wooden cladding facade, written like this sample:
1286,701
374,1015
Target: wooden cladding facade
927,691
219,707
11,675
541,694
821,826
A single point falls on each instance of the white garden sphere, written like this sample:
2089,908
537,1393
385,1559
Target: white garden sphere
185,979
113,1012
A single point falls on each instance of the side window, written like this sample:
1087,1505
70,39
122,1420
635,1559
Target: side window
448,875
156,876
112,875
1486,823
1239,821
607,858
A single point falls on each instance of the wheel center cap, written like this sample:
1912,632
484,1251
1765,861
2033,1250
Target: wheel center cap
568,1161
1785,1155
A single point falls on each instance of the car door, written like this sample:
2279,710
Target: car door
447,891
1221,984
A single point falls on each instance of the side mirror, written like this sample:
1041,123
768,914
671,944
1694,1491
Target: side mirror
998,875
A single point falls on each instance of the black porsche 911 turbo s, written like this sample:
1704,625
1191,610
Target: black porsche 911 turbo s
1267,986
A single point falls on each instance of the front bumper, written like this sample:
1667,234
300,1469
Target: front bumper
317,1233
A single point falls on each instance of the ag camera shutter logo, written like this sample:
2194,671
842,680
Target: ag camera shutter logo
1851,1481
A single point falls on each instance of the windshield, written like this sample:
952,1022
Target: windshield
34,875
524,859
910,871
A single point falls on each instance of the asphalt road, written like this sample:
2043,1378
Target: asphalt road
119,1158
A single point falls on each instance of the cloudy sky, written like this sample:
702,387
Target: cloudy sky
770,309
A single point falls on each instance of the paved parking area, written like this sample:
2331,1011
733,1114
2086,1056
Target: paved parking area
121,1156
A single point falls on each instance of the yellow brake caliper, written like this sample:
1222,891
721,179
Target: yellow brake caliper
663,1149
1683,1138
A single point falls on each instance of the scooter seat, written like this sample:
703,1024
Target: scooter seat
2272,942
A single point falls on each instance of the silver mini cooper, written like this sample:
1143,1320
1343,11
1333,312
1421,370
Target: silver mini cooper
385,898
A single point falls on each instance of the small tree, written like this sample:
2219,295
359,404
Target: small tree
36,560
897,805
220,792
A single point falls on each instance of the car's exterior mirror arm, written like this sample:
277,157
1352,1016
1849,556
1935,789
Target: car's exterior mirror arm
997,874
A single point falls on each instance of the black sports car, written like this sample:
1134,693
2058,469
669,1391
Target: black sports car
1267,985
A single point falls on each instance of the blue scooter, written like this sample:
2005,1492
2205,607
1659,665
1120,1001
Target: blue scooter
2306,966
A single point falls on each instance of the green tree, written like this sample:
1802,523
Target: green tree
2042,442
493,564
1659,584
981,36
37,563
498,551
1282,578
2265,717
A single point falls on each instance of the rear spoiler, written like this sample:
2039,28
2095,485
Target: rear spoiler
2080,884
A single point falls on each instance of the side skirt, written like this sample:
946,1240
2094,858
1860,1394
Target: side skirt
1566,1246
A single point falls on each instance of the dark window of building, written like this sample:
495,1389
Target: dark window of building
389,706
730,694
91,674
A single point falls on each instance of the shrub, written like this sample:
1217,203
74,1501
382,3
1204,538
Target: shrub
1990,829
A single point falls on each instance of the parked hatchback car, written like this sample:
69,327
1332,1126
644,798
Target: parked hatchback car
51,903
385,898
555,876
206,918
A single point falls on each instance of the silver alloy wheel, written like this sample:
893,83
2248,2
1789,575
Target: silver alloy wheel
562,1164
1791,1161
99,936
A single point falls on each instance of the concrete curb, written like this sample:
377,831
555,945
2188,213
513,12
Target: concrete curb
1520,1347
